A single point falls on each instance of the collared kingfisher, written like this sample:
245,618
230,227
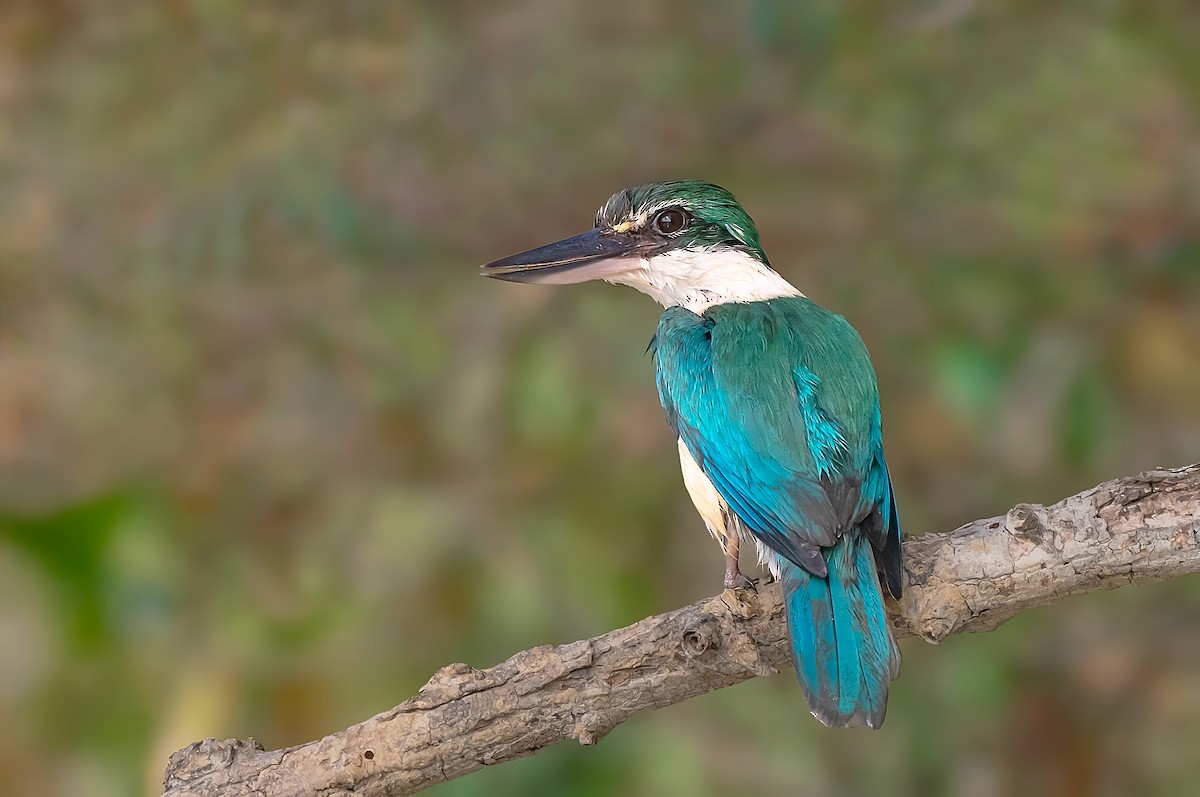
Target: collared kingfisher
775,404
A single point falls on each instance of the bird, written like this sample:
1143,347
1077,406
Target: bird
775,404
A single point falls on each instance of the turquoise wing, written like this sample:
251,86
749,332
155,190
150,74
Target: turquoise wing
778,403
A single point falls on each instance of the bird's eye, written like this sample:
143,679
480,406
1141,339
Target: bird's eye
671,221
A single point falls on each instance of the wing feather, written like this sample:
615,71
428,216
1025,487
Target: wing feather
778,405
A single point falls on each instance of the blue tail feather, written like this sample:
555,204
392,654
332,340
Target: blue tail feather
842,644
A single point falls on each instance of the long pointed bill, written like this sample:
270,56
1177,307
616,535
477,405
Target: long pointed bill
595,254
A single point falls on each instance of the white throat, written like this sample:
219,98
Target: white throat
699,278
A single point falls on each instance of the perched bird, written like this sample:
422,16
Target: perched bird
775,403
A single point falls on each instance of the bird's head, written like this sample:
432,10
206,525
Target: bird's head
685,242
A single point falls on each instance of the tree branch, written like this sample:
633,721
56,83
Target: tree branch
1134,530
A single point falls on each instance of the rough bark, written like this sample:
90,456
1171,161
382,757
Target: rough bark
1140,529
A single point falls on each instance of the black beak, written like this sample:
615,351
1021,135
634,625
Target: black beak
595,254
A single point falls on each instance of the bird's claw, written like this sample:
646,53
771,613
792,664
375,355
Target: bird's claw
737,580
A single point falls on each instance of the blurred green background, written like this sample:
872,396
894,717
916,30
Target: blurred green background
271,452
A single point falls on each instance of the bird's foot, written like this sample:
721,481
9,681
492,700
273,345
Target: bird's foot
733,573
736,580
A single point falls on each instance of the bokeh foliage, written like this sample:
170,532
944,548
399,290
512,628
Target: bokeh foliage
271,452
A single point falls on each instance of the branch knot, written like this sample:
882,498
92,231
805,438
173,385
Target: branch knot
1024,521
701,633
